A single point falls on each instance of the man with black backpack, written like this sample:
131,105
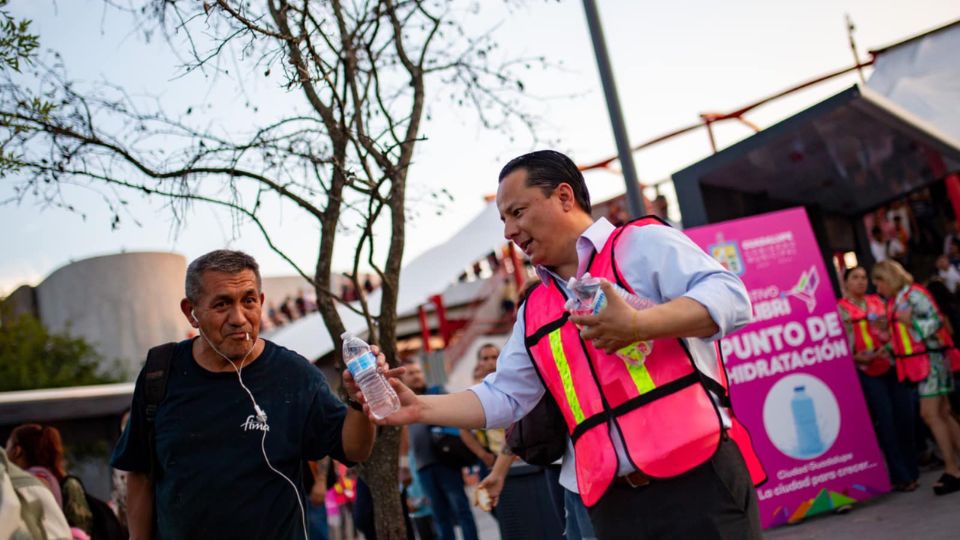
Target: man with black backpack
220,425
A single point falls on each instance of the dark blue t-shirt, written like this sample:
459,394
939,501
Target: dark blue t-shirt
213,481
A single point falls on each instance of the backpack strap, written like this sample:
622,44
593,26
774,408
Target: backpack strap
717,389
156,373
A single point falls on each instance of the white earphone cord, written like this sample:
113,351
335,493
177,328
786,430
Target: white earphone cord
262,416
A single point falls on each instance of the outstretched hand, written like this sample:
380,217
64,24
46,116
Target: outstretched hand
615,327
409,412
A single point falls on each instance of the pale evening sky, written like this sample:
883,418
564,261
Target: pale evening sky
672,60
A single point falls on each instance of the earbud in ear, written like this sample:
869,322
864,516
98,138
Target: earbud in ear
194,315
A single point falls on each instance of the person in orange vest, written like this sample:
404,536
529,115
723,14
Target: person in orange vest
923,350
654,451
892,404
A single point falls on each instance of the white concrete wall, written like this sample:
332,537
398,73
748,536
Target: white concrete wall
123,303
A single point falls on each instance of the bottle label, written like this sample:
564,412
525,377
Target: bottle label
362,363
599,301
592,307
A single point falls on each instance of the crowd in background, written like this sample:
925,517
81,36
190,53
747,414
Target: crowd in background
301,305
289,310
54,504
902,316
909,231
61,508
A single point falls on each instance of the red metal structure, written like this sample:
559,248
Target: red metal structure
424,328
708,119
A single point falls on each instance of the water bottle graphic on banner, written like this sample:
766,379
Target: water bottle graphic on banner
805,421
361,362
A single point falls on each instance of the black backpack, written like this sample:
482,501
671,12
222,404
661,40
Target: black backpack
105,525
450,449
540,437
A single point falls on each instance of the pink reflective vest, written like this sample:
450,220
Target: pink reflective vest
866,334
658,400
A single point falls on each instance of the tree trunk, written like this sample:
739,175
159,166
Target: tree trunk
328,229
381,476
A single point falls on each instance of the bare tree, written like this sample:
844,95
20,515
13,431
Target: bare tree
362,69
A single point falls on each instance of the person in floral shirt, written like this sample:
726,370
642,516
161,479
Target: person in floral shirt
919,335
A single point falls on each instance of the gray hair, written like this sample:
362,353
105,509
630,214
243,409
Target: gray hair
221,260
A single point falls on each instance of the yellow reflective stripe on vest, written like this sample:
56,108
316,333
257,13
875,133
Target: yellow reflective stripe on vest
905,339
560,359
641,377
865,333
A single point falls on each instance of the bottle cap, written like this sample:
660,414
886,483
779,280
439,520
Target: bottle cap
345,335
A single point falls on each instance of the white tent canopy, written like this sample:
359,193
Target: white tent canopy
427,275
922,75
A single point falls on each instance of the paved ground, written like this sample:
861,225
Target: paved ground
920,515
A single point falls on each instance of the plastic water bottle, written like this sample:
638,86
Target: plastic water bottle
805,422
361,362
589,297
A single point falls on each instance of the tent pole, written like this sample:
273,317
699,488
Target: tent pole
634,198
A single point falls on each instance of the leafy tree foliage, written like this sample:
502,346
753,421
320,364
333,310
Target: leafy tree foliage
31,356
17,48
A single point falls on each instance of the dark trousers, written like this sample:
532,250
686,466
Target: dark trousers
713,501
527,511
317,521
893,408
551,473
577,524
424,526
444,486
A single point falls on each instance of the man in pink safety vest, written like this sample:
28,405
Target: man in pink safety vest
684,478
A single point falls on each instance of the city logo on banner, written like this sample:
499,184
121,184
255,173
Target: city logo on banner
728,255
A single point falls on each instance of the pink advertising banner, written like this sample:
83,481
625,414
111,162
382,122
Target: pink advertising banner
792,378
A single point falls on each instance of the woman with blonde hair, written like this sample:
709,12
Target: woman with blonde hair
922,347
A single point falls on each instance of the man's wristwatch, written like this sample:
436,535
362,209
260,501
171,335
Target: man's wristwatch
354,404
